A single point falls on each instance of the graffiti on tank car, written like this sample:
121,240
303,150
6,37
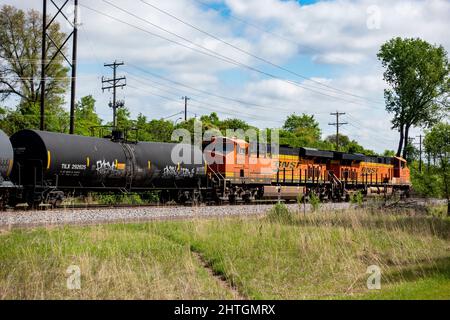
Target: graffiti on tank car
178,172
4,163
104,167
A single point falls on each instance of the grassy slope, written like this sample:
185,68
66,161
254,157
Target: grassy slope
322,256
117,262
318,258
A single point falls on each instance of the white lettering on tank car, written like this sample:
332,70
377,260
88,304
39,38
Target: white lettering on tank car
173,171
105,167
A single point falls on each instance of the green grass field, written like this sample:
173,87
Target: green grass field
321,255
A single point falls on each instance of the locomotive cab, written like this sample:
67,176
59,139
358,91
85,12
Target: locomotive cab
401,170
228,156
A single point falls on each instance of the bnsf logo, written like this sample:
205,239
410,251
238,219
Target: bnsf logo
369,170
288,165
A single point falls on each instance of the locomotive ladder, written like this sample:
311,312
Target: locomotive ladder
220,178
336,182
129,168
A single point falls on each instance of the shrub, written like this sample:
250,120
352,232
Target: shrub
132,198
107,199
280,213
300,200
357,198
314,200
150,197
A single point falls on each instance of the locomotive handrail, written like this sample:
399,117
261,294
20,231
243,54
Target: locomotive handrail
335,179
220,177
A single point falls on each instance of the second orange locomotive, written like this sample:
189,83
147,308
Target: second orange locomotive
248,172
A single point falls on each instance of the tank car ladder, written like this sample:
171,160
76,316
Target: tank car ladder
129,167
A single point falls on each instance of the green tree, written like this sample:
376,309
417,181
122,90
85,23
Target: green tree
213,119
85,116
437,142
389,153
346,145
304,122
418,75
233,124
20,64
344,142
124,121
301,131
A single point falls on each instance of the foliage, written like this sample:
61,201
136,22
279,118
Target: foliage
418,75
85,116
128,198
20,50
300,200
27,117
314,200
300,131
389,153
357,198
345,145
280,213
437,143
154,130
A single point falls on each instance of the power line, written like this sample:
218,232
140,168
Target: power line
212,108
185,98
173,115
133,76
214,54
239,101
420,151
361,126
263,29
249,53
337,124
114,83
59,52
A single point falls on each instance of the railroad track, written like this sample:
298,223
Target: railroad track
89,216
142,213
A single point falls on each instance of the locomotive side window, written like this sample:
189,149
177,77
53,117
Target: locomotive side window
228,147
239,150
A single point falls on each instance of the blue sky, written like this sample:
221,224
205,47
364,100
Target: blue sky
330,45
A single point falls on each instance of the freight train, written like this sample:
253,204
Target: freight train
42,168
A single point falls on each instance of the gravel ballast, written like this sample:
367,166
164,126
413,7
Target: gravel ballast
68,216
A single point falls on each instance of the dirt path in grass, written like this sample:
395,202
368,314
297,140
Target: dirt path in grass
220,278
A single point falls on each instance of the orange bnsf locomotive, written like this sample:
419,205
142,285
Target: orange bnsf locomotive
246,173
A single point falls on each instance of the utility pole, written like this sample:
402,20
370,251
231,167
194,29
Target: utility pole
114,83
59,51
43,66
74,68
337,124
410,149
185,106
420,152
